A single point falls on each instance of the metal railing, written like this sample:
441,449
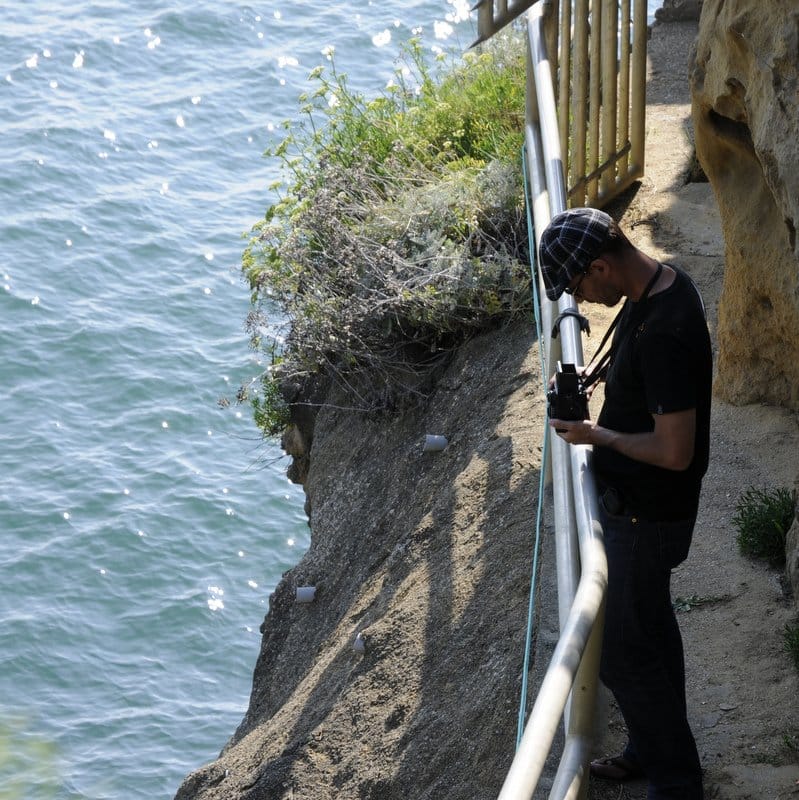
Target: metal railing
599,51
601,125
569,687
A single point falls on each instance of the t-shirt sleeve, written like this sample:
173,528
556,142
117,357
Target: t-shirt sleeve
669,372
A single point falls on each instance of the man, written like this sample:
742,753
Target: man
651,444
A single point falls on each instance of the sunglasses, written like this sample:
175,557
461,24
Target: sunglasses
575,288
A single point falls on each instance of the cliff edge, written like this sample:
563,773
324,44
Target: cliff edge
427,556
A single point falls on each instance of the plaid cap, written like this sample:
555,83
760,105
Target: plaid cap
571,241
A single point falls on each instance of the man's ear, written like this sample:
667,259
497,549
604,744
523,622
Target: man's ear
600,265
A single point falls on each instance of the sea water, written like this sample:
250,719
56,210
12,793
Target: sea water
144,520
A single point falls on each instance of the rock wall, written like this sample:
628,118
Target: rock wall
428,557
745,107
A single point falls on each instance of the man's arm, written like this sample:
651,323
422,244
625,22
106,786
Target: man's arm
670,445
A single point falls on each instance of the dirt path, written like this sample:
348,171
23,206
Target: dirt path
743,692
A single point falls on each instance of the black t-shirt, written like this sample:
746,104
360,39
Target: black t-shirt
661,363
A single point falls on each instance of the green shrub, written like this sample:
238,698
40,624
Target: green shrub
270,410
400,230
763,517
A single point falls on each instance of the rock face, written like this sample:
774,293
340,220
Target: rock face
428,557
745,107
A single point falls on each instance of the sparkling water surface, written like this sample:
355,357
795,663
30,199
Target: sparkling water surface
144,524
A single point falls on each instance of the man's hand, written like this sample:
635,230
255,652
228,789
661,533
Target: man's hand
574,431
670,445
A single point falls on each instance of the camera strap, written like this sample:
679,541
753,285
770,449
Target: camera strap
600,371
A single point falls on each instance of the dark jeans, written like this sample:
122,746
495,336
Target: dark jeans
642,654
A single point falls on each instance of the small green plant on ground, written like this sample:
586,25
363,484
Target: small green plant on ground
791,637
763,518
686,604
399,231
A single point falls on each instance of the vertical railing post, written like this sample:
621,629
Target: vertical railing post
609,63
580,100
562,59
485,19
624,83
594,103
638,120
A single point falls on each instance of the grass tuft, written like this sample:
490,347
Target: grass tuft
763,518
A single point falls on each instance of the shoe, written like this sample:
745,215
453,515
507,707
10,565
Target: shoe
615,768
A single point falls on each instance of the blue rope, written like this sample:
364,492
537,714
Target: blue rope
544,456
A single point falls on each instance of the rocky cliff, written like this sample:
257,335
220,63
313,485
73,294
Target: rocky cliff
745,108
745,97
428,557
